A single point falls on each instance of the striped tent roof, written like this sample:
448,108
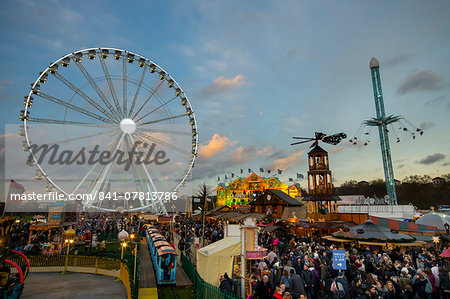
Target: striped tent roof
402,225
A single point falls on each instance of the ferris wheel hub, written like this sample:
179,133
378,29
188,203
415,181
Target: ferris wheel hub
127,125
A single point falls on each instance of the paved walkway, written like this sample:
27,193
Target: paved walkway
147,281
182,279
72,286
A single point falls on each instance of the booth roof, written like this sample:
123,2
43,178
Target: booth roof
219,246
228,215
434,219
372,232
258,216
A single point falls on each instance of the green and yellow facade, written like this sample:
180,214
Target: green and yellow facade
242,191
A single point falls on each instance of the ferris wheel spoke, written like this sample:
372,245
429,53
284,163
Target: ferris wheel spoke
72,107
169,132
110,147
124,89
96,88
67,122
83,95
84,178
162,105
162,119
138,89
171,146
177,169
148,98
110,84
83,137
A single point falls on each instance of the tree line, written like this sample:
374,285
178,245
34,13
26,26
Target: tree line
419,190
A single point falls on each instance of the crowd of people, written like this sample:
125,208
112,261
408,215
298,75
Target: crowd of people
297,267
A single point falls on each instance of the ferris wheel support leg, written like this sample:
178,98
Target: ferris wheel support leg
161,204
136,175
104,173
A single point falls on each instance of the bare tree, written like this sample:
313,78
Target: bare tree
204,193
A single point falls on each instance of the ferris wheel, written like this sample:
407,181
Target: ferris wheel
114,101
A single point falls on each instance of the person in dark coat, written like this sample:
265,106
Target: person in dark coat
263,289
297,285
306,276
226,283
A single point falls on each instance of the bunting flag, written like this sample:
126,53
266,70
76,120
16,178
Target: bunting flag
279,171
218,178
232,175
242,170
269,171
300,176
291,180
249,170
261,170
226,177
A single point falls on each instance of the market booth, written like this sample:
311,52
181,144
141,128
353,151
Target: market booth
216,259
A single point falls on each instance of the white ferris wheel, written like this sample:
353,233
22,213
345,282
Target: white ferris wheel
116,101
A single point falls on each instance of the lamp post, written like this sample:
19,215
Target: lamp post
135,256
123,236
67,242
123,245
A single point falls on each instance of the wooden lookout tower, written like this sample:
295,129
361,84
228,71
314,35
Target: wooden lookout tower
321,203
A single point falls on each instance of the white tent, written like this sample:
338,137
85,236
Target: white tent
434,219
216,259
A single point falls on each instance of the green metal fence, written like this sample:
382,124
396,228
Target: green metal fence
203,289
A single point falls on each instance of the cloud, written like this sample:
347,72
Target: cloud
220,85
426,125
432,159
242,154
420,81
216,145
4,83
439,101
399,59
287,162
436,101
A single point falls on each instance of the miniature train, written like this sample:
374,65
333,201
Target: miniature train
163,256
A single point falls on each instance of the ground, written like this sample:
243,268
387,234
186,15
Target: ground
168,293
72,285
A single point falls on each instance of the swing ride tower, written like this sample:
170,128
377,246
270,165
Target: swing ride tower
381,121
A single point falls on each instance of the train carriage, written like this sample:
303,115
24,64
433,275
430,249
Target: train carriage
165,268
157,245
163,256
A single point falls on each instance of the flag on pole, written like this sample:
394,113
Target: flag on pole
249,170
232,175
279,171
218,178
291,180
269,171
299,176
226,177
242,170
261,170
